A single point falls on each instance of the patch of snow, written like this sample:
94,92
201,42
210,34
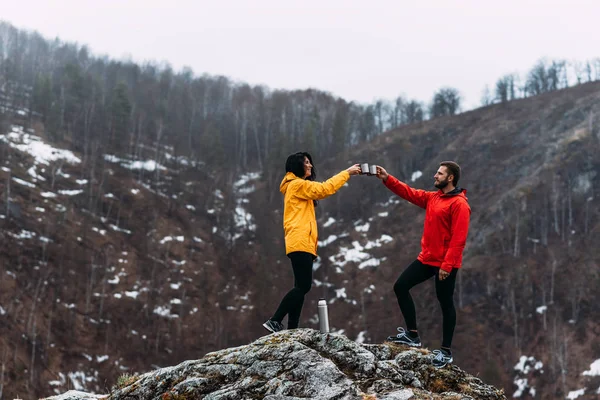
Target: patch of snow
378,242
164,312
369,289
148,165
166,239
244,219
100,231
362,228
361,337
74,394
329,240
594,369
575,394
521,386
373,262
32,172
416,175
70,192
23,234
117,229
521,365
329,222
246,178
22,182
346,255
33,145
541,309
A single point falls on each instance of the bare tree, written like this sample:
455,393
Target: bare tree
446,101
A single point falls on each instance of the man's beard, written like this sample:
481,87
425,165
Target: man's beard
442,184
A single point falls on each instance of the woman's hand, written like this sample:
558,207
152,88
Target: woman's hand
382,173
354,170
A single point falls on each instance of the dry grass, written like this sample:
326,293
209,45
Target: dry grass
438,385
126,380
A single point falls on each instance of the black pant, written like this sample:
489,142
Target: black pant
292,302
416,273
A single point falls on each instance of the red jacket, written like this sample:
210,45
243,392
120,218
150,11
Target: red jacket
446,223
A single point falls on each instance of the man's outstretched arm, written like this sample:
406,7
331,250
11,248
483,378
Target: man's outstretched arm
418,197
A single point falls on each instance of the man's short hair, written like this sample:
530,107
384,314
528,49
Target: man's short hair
453,169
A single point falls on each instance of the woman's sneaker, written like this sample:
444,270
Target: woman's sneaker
441,358
404,338
273,326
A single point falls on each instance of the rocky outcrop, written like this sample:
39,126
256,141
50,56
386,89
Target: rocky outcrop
306,364
77,395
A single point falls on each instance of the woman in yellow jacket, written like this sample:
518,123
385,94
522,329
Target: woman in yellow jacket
300,194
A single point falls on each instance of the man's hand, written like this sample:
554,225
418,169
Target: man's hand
354,170
382,173
443,274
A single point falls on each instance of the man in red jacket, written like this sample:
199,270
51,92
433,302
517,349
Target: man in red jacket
447,215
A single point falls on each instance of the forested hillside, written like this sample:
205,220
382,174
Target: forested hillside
140,218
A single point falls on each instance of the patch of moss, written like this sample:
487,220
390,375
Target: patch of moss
126,380
175,396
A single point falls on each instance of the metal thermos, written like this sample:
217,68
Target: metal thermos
323,317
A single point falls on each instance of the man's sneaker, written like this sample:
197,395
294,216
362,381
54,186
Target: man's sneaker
441,358
403,338
273,326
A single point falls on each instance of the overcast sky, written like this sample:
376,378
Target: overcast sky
358,50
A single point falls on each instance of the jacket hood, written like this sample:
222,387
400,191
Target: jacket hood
290,176
457,192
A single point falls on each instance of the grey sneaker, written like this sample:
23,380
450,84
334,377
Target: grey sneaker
441,358
403,338
273,326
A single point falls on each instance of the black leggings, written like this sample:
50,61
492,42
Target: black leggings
292,302
416,273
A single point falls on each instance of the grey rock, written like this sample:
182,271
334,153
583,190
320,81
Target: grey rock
306,364
403,394
77,395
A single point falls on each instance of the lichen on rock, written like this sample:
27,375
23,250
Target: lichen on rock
306,364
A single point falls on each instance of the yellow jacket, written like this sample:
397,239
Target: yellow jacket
299,221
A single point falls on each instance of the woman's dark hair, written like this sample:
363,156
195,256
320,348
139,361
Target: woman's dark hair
295,164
